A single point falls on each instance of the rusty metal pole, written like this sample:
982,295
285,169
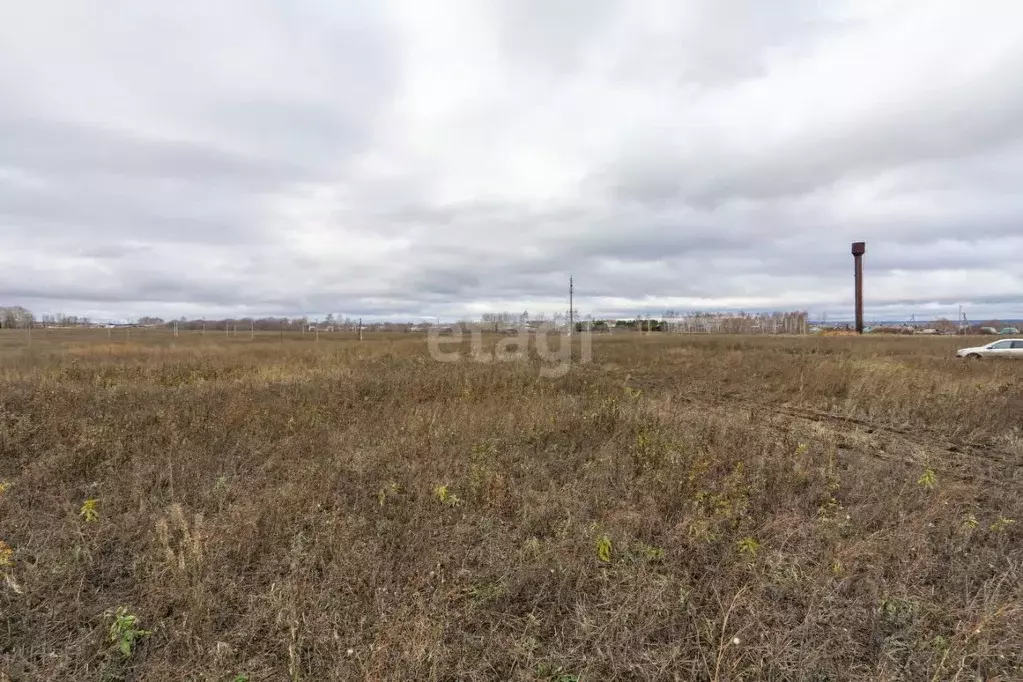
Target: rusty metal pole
858,249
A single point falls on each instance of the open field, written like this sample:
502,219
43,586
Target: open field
679,508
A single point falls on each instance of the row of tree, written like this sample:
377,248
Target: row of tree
15,317
18,317
794,322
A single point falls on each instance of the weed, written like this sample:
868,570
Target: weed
485,483
391,490
6,555
124,632
748,546
634,393
715,511
89,510
445,496
604,548
829,508
648,451
555,673
486,591
897,613
928,480
647,552
701,529
1002,523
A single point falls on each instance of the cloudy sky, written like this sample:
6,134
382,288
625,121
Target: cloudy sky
401,158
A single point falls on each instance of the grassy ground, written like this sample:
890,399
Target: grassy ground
679,508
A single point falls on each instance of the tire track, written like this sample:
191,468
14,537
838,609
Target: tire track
964,460
961,449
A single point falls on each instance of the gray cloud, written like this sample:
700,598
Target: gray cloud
396,160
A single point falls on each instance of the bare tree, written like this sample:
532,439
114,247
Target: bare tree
16,317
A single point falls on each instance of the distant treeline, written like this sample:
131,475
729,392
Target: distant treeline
739,323
18,317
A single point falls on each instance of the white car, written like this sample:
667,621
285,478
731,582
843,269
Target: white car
1003,348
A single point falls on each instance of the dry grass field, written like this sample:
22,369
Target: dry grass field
678,508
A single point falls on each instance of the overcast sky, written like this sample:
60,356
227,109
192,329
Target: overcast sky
401,158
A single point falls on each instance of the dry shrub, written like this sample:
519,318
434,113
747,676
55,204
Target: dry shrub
709,508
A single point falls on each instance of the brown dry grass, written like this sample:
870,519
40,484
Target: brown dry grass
271,509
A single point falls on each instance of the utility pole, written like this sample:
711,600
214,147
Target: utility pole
360,329
571,311
858,249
